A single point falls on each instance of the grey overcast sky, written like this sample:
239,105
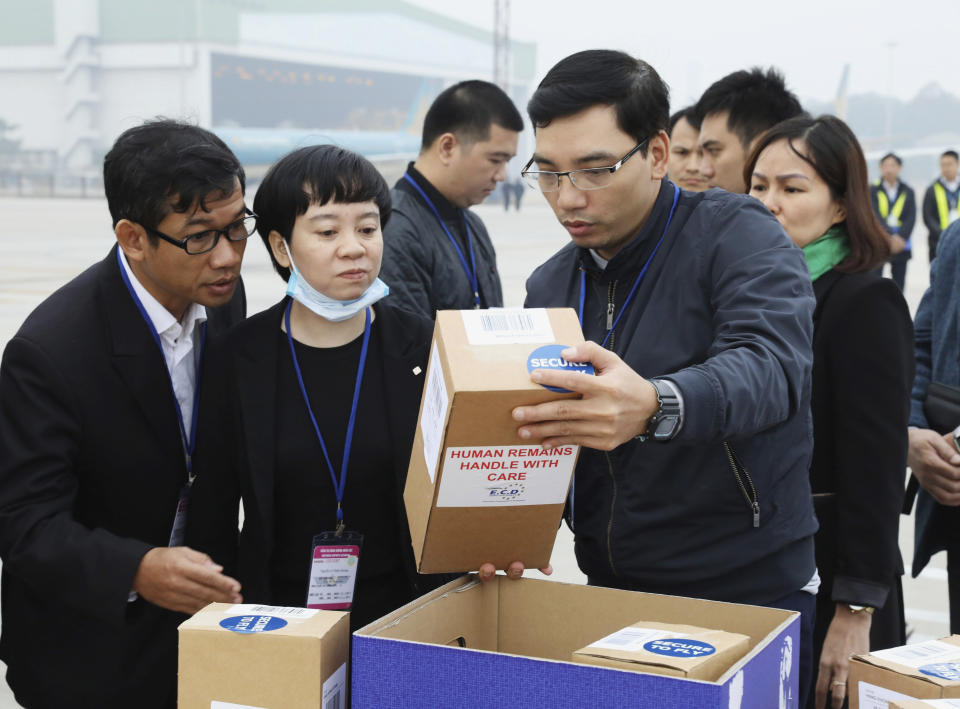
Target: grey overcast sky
695,42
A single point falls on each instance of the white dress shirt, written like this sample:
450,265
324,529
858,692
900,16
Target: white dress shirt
177,342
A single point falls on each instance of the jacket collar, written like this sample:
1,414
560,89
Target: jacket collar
630,256
448,211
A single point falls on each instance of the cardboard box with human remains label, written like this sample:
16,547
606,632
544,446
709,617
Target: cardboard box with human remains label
670,649
925,704
510,643
927,670
476,492
263,657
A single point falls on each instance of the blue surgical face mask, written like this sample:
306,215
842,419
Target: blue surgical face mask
325,306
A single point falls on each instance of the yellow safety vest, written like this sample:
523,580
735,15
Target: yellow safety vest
943,206
883,204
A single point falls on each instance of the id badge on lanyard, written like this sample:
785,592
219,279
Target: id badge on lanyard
333,570
336,555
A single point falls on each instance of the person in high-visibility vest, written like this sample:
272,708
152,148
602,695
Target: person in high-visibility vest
895,205
940,201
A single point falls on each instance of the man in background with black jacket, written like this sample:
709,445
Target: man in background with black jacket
437,254
693,479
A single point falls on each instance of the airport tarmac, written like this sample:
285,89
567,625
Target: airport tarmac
46,242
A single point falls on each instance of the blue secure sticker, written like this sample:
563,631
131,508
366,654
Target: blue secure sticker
252,623
548,357
943,670
680,647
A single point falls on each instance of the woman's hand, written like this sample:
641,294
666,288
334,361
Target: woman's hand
848,634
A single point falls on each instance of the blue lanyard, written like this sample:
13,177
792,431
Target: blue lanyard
338,486
470,270
636,283
189,441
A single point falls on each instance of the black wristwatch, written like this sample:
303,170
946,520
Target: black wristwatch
665,422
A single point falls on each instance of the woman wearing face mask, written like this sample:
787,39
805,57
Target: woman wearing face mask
684,163
318,400
812,176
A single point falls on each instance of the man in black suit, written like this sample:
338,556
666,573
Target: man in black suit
97,412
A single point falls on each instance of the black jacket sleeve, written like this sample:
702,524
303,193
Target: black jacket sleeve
871,358
41,541
407,266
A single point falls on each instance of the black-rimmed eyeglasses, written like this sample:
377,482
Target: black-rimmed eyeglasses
591,178
204,241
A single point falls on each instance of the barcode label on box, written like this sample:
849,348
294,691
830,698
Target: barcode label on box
633,639
335,689
434,415
874,697
913,656
279,611
507,326
230,705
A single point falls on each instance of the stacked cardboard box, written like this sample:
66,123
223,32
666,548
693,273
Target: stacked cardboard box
263,657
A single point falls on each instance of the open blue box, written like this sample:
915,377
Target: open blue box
509,643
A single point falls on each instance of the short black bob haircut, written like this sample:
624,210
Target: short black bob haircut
688,114
891,155
165,166
315,175
467,110
608,78
950,154
754,101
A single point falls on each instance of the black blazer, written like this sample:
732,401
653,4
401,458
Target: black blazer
236,451
862,374
91,462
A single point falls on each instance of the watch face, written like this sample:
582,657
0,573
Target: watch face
666,427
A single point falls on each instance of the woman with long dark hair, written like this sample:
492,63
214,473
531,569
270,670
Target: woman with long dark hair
812,176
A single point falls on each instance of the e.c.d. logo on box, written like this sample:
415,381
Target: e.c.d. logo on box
548,357
252,623
679,647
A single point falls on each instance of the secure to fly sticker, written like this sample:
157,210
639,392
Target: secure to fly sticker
943,670
252,623
680,647
548,357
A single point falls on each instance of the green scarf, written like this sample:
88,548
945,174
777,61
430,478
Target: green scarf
827,251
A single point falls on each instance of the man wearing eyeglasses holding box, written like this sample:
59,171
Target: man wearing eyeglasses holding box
693,479
98,411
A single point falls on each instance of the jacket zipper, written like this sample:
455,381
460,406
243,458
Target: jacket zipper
611,292
751,497
613,502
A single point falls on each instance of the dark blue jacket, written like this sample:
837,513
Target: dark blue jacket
937,351
725,313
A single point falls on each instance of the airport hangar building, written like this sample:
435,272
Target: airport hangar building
267,76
